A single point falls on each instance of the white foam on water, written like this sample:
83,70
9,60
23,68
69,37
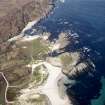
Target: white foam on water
29,26
62,1
86,49
50,88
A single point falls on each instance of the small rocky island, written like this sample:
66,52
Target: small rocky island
35,70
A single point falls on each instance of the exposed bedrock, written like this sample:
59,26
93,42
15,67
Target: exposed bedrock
15,14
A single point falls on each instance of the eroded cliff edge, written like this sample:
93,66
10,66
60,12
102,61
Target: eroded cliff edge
15,14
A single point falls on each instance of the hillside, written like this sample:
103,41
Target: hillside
15,14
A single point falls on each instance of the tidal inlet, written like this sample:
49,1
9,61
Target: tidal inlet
38,67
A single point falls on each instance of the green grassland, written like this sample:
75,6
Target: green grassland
66,59
14,60
39,75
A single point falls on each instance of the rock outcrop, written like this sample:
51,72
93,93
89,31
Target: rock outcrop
15,14
27,63
74,64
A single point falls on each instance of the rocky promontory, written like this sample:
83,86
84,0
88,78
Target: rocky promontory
35,70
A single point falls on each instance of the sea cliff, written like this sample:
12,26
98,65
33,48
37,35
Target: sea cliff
15,14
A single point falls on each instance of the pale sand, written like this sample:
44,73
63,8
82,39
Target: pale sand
50,88
29,25
29,38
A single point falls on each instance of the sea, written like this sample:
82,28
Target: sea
85,19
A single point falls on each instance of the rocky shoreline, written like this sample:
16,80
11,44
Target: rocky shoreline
20,61
15,14
31,62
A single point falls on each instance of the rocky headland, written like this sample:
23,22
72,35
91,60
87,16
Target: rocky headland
28,69
33,69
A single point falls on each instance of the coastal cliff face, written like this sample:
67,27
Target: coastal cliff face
15,14
28,62
28,66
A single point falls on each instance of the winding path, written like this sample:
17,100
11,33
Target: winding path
6,89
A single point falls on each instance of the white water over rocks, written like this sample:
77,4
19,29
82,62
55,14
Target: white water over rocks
62,1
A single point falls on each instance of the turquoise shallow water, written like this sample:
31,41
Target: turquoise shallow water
101,98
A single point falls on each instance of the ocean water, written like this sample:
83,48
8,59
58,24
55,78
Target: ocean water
85,18
101,98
